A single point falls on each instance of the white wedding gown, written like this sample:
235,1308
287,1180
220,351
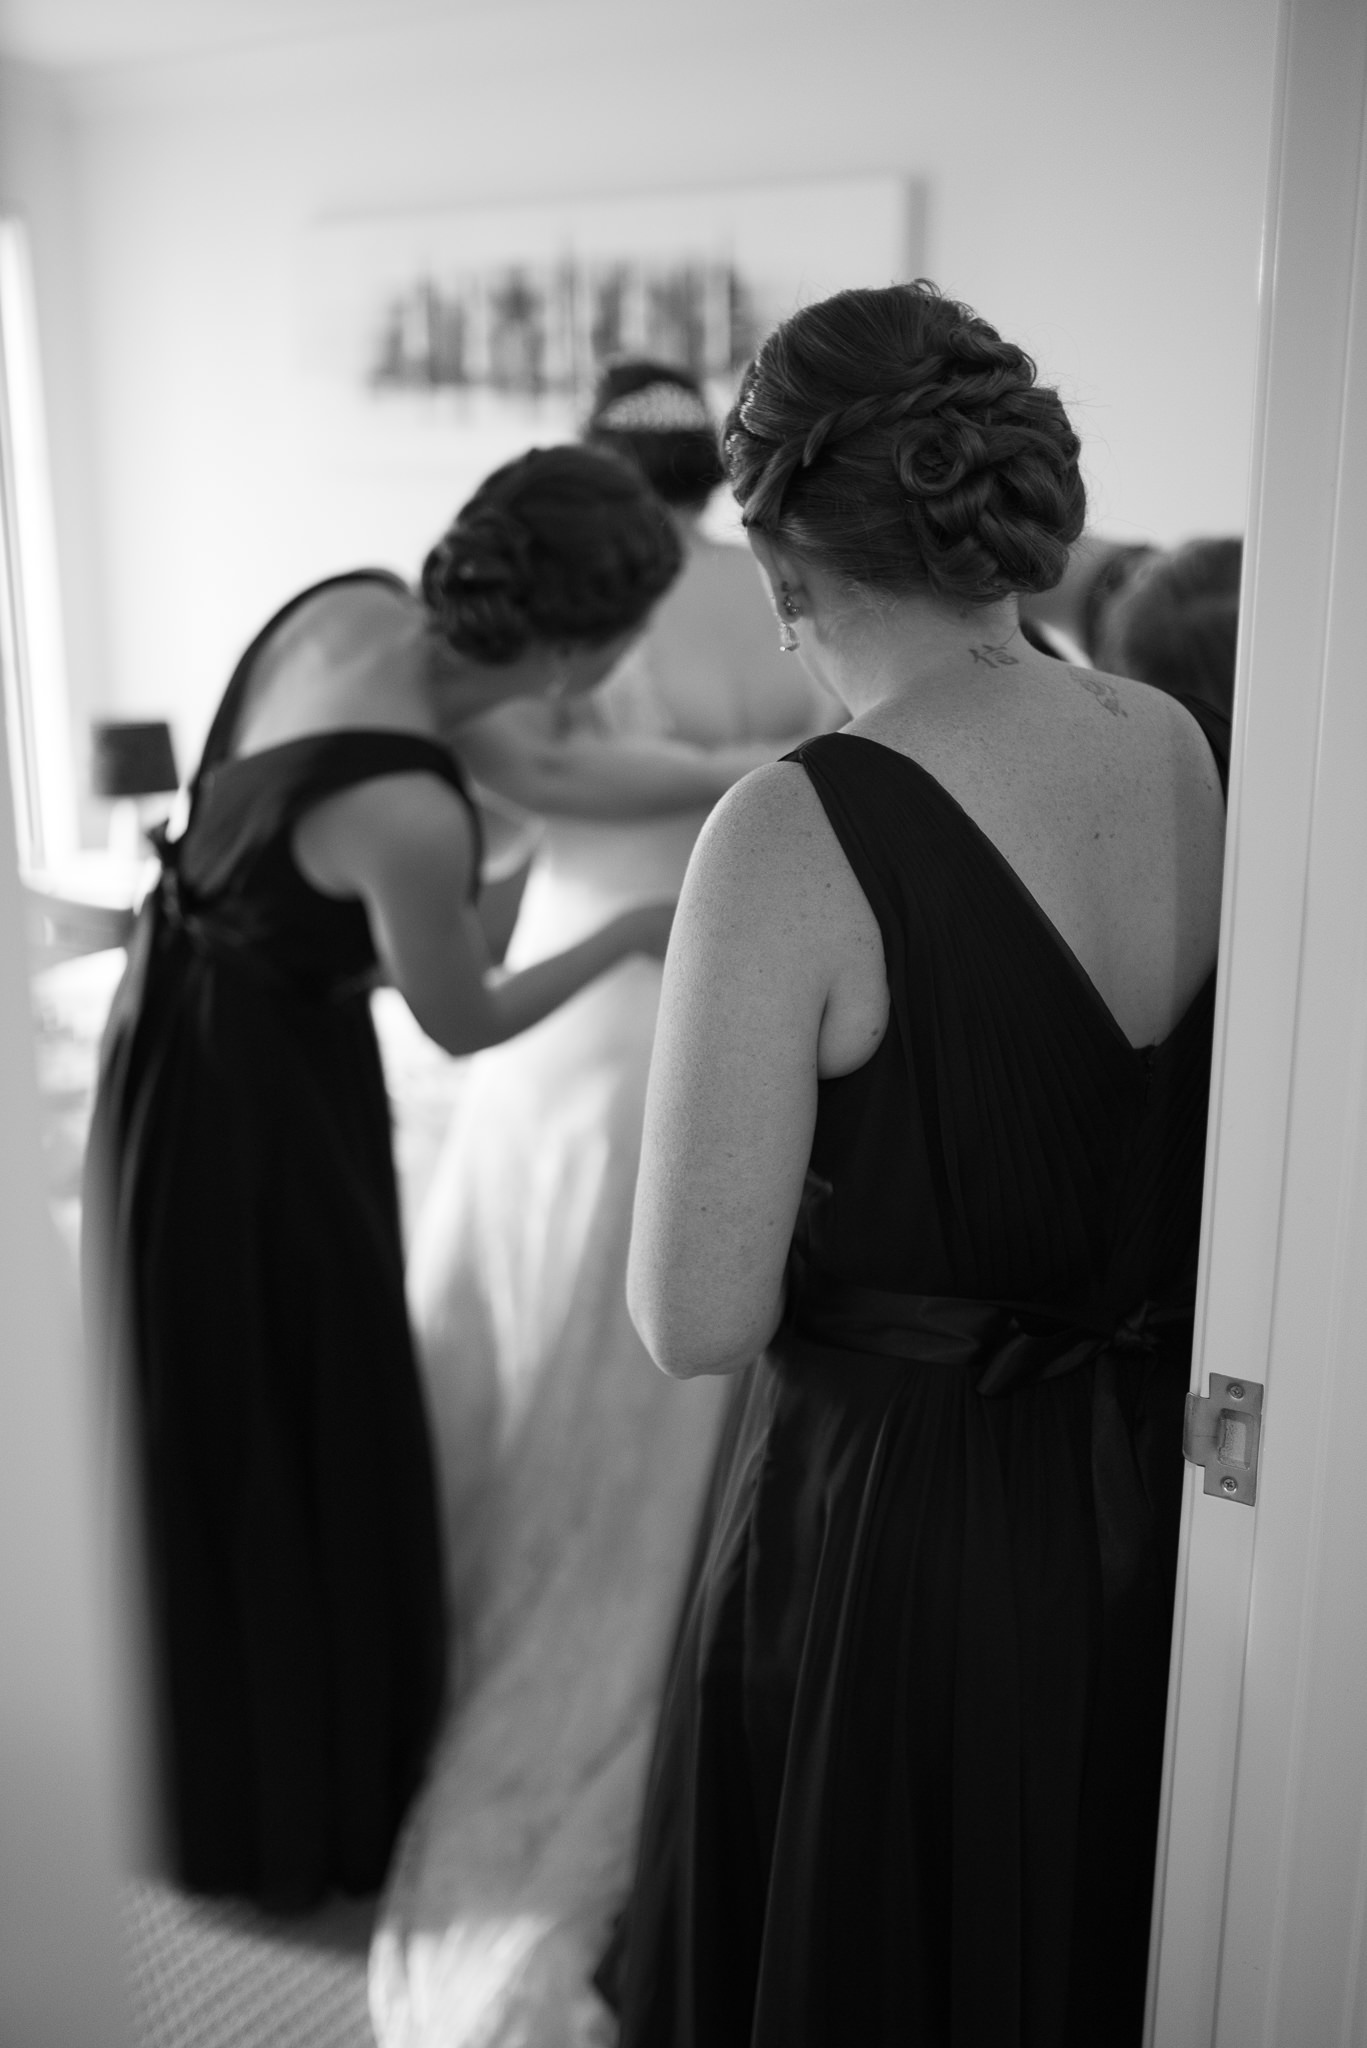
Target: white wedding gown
572,1474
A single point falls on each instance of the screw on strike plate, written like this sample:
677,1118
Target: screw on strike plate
1222,1434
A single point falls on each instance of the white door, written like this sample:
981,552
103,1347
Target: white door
1262,1880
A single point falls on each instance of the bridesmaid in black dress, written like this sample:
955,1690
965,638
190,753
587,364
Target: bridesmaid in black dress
925,1131
243,1256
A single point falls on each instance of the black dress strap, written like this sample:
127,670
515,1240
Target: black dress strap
248,801
323,761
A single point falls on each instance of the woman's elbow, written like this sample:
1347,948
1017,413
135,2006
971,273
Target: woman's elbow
687,1362
687,1343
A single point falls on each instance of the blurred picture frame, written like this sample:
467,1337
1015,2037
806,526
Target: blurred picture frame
466,333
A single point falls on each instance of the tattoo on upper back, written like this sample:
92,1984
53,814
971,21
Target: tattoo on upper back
1106,694
988,656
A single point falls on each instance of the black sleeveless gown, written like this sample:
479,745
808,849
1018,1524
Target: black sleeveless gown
905,1787
245,1274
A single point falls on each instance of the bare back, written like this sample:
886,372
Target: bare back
352,655
714,659
1102,796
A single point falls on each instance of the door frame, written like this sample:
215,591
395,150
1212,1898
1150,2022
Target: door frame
1261,1885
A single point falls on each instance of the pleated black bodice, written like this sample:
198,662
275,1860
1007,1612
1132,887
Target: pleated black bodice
1005,1140
906,1784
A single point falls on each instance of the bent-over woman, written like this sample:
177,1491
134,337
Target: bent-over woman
243,1250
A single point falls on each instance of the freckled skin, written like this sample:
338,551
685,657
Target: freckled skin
1105,693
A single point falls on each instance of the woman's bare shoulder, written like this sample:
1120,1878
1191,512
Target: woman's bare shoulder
782,919
767,814
768,849
1150,710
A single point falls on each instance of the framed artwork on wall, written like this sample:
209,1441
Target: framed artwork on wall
457,337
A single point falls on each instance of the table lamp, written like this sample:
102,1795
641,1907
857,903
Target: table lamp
130,760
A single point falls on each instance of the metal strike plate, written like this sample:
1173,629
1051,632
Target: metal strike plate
1223,1431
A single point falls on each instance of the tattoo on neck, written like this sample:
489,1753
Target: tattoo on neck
1106,694
994,657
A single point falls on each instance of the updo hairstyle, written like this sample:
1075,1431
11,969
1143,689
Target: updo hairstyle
894,438
1177,625
656,416
565,545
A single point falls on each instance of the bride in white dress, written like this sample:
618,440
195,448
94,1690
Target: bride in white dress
572,1471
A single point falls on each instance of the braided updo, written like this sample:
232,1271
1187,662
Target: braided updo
565,545
894,438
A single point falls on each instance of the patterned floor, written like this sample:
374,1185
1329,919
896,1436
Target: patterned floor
212,1974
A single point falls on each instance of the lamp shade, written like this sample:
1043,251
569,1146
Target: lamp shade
131,759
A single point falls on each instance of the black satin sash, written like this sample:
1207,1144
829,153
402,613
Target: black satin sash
1003,1348
1005,1345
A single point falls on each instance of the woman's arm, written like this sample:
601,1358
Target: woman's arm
529,751
403,845
774,978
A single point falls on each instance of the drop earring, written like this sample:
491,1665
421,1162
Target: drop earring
787,636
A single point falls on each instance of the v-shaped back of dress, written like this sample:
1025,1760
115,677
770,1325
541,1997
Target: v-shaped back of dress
231,878
1005,1141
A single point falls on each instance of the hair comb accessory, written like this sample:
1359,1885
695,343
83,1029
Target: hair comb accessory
660,408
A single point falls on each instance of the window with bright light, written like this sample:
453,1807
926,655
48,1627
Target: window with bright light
32,662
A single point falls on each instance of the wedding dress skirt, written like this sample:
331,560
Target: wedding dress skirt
572,1475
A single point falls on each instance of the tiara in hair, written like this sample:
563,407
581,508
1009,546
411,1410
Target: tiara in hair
660,408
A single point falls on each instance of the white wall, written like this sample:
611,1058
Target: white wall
1095,174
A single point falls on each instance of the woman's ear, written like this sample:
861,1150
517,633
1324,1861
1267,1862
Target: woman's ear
780,572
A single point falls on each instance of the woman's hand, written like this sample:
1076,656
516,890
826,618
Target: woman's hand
404,846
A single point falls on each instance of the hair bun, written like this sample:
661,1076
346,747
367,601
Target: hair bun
477,579
565,544
898,439
483,573
933,457
489,550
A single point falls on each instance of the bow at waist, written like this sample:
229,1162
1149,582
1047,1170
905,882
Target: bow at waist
1005,1345
231,935
1115,1521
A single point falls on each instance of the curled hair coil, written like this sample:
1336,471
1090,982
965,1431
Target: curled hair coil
484,575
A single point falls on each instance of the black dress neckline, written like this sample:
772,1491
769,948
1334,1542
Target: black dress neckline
1025,896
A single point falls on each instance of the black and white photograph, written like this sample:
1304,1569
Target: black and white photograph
683,954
